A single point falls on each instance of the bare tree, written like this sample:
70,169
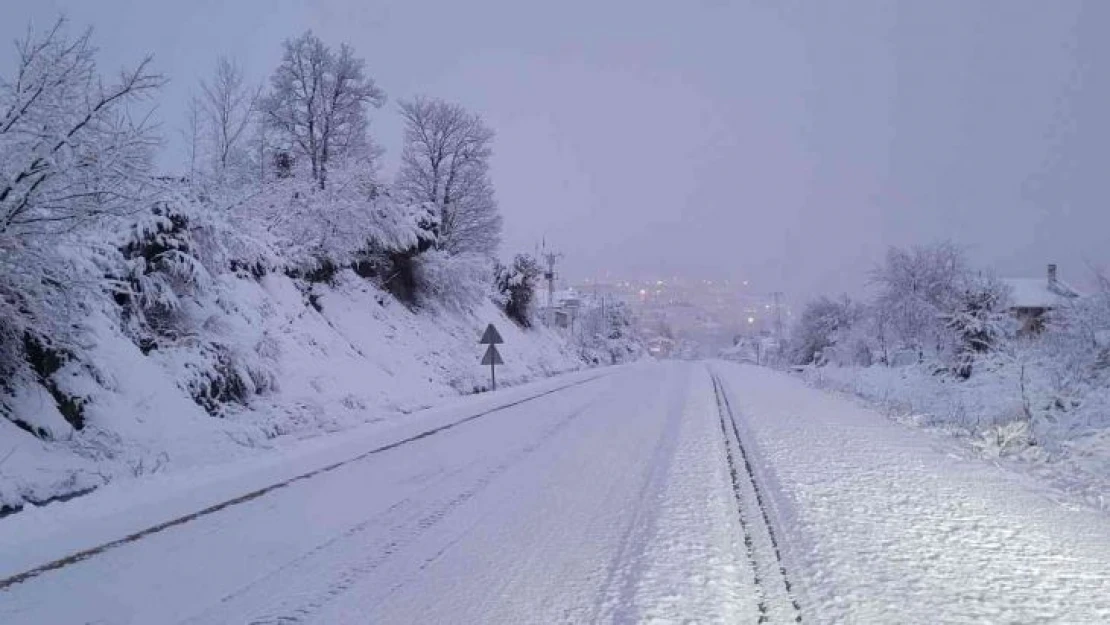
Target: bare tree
446,161
228,105
191,133
69,151
318,101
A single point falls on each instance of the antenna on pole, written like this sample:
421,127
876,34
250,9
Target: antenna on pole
550,258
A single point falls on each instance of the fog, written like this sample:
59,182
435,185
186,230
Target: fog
786,143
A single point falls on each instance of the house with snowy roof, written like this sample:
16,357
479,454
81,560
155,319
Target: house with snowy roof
1032,298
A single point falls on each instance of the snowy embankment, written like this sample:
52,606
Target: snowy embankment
1068,449
323,357
884,524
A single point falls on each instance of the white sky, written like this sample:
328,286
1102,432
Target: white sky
785,142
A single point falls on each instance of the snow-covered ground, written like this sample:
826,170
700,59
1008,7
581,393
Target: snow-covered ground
884,524
985,415
606,501
616,495
339,355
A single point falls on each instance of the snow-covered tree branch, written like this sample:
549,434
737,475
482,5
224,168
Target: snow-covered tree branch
318,102
445,161
71,150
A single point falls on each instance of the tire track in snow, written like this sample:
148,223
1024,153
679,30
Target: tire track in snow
775,595
404,532
626,568
86,554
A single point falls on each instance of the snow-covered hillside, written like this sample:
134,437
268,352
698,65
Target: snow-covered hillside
151,320
333,355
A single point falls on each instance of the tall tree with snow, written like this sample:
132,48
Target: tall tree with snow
919,290
227,106
445,161
317,105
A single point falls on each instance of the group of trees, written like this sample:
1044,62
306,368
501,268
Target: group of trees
1029,384
282,177
929,305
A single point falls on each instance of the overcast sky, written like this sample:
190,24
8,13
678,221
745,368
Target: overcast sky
788,143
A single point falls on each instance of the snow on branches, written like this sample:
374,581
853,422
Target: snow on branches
71,150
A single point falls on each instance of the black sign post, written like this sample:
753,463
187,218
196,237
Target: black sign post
492,338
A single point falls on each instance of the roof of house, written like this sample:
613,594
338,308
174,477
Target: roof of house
1038,292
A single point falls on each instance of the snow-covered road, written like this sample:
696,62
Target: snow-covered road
659,492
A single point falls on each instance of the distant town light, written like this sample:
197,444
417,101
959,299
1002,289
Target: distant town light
751,319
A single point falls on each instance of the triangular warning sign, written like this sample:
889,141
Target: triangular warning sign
491,336
492,357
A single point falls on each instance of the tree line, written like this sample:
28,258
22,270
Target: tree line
282,177
930,308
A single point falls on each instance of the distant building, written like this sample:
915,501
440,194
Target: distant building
1032,298
564,309
660,346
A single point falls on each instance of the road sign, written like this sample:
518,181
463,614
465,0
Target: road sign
492,357
491,337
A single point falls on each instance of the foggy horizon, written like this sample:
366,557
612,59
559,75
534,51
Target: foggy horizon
787,145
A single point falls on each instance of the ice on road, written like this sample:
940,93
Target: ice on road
670,492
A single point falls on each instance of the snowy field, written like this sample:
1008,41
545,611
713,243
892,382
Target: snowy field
669,492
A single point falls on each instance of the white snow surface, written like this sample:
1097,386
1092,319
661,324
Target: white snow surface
1036,292
603,502
363,357
606,497
885,524
984,415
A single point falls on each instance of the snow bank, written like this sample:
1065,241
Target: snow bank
1068,448
312,357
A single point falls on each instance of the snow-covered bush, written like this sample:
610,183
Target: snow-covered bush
606,335
163,268
516,288
979,322
459,281
826,324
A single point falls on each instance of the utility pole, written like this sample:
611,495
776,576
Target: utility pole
777,297
551,258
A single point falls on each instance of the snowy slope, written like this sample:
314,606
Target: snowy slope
326,357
